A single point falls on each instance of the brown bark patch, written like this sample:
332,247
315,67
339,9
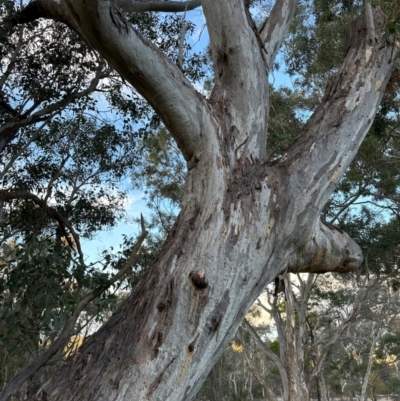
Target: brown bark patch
199,279
355,34
246,179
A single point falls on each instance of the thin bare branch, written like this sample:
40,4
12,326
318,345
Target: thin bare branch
358,303
17,154
132,6
10,128
13,58
370,22
256,373
275,27
264,348
349,202
184,28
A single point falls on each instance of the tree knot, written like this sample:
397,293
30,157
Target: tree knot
199,279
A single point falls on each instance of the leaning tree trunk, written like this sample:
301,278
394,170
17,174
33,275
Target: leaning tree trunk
294,350
244,220
322,387
375,335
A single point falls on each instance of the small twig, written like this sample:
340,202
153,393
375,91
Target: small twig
370,23
184,28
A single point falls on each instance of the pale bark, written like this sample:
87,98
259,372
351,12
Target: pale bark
294,344
183,110
275,27
322,387
243,221
374,338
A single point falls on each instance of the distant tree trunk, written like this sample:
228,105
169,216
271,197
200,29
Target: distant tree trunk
260,377
294,355
322,388
233,380
249,386
213,385
375,335
291,330
244,219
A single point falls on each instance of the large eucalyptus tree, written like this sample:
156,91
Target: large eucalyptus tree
244,218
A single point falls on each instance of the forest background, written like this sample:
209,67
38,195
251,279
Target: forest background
75,139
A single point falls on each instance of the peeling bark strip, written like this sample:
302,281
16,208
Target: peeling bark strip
242,222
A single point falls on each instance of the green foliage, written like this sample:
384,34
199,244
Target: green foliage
274,346
285,119
317,41
162,172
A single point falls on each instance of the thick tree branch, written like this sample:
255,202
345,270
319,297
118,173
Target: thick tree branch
315,162
236,51
370,22
182,35
330,250
132,6
182,109
34,10
275,27
16,382
348,107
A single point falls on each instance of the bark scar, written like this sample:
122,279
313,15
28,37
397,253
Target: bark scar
156,382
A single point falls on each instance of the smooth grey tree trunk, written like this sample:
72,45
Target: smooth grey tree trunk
322,387
213,385
244,219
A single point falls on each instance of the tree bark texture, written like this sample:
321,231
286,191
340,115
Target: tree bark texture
244,220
